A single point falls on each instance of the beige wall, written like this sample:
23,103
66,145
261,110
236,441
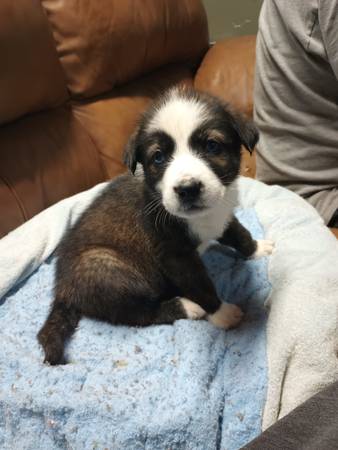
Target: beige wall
232,17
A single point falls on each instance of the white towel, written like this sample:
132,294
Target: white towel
302,338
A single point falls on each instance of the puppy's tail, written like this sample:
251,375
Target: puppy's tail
59,326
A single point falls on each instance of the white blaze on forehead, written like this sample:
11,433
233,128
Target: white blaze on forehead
179,117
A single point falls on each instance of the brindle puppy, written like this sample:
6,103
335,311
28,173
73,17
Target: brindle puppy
133,256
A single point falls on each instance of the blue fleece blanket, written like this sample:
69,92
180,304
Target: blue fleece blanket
185,386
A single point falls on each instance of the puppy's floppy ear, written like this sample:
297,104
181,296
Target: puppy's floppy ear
247,131
131,153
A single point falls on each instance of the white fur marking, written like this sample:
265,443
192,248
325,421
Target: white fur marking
193,310
213,223
228,316
178,117
185,165
264,248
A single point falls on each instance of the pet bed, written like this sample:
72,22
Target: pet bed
185,386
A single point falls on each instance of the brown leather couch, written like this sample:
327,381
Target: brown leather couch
76,75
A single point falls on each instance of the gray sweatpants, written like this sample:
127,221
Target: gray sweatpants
296,99
311,426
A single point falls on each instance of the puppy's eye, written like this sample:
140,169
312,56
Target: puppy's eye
158,157
213,147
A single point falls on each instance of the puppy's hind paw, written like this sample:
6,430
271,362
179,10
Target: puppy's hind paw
264,248
227,316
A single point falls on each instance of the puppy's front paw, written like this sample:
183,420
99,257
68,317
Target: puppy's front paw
264,248
192,310
228,316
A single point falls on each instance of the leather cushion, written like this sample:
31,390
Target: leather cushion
103,44
31,78
44,158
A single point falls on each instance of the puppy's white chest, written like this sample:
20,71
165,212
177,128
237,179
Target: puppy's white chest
211,226
207,230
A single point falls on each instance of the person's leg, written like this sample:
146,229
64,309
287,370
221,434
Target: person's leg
311,426
295,100
334,220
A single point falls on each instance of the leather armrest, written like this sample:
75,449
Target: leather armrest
227,71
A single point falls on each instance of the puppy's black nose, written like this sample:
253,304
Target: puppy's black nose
188,191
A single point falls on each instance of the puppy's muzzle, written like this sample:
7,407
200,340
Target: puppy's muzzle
188,192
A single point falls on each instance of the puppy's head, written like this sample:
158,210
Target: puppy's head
189,145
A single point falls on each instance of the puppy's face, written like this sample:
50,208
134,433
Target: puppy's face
189,146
